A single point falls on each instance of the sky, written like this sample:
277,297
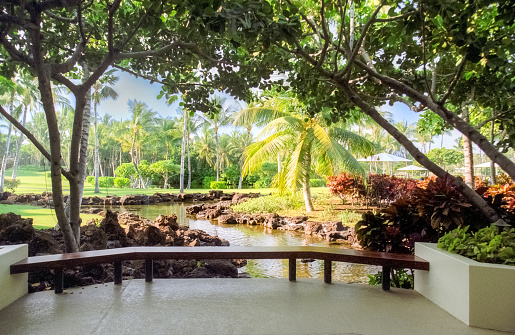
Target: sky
129,87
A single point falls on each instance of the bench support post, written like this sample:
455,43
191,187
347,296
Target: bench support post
148,270
117,272
386,278
293,269
58,281
327,271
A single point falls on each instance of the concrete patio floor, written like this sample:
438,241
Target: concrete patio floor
229,306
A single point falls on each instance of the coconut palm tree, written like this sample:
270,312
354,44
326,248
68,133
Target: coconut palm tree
138,127
308,146
205,145
29,98
102,90
240,142
221,117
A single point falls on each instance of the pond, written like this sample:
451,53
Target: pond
243,235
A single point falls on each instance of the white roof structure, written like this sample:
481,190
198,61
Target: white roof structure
384,157
484,165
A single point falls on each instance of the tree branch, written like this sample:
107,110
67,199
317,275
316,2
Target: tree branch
454,81
326,36
394,18
61,18
347,69
25,132
70,63
493,118
15,53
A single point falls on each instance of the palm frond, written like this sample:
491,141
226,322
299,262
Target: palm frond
356,144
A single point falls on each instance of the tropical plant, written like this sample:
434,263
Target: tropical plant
102,90
137,129
488,245
307,144
219,117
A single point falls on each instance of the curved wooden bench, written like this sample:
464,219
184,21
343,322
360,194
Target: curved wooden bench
59,262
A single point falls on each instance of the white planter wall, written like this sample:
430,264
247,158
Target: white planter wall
15,286
479,294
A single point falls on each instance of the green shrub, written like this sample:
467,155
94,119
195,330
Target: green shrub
106,182
206,182
126,170
90,180
271,204
316,182
218,185
11,184
122,182
487,245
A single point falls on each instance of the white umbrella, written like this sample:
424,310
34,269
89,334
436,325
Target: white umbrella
384,157
412,168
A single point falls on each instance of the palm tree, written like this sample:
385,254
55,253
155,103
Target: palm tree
205,145
138,127
308,146
221,117
406,129
102,90
240,142
423,138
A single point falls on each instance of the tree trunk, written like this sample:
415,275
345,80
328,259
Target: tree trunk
133,159
183,152
189,161
240,181
492,163
306,187
217,164
45,88
78,155
7,145
469,193
96,157
18,149
468,153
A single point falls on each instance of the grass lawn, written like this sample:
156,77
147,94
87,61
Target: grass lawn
36,181
32,180
43,217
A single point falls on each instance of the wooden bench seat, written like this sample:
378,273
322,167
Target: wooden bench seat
59,262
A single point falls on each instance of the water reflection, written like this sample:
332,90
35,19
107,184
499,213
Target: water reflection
239,235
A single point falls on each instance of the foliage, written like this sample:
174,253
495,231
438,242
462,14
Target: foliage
90,180
486,245
317,182
426,216
218,185
446,157
106,182
379,190
121,182
232,175
206,182
346,186
11,184
399,278
444,206
263,182
271,204
125,170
